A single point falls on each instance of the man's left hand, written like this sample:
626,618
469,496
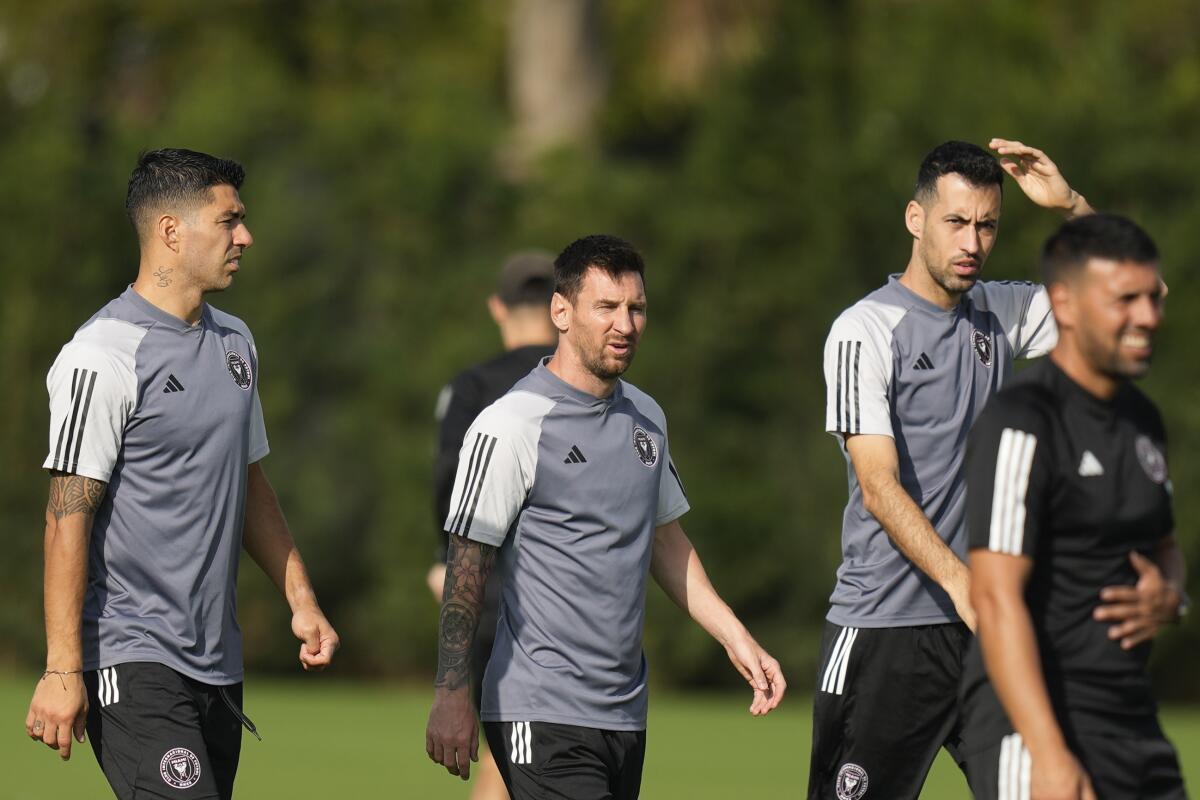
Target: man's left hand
319,639
1039,178
1138,611
760,670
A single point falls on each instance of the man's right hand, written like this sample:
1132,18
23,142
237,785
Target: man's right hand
452,735
1059,777
58,709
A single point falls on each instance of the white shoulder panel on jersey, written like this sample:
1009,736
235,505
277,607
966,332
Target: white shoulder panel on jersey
496,467
858,369
93,390
1023,309
259,446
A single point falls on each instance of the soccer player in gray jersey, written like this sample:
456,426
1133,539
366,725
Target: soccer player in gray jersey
907,370
568,480
156,443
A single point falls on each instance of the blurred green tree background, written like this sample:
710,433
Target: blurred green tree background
759,152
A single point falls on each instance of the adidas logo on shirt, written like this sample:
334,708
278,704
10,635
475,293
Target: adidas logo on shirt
575,456
923,362
173,385
1089,465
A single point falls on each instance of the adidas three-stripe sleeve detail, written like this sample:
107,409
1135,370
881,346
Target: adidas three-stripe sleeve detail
1006,479
93,390
1014,460
496,466
858,370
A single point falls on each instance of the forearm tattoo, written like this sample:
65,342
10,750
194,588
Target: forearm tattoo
468,565
73,494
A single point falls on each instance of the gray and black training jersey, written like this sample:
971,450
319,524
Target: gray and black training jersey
897,365
1074,484
167,414
571,487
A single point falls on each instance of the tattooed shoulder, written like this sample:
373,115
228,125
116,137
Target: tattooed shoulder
74,494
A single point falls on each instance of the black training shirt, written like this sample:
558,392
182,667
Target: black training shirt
1074,483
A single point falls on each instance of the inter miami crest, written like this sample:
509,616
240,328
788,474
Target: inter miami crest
1151,459
180,769
983,347
644,446
239,368
851,783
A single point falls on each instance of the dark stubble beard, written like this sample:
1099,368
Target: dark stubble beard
945,277
607,368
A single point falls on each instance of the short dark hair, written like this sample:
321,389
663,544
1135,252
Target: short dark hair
173,177
972,162
608,253
1107,236
526,279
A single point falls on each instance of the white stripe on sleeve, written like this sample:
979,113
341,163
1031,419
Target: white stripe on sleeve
1014,460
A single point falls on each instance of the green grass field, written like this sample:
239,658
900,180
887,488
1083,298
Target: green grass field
325,738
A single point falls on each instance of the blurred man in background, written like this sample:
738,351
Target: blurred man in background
156,484
907,370
1069,502
520,307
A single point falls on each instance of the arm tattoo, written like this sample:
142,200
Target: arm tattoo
74,494
468,565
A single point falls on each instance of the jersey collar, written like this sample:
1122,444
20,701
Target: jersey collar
162,317
921,302
584,398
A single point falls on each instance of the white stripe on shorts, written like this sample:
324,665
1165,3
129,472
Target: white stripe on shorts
1014,769
522,743
834,680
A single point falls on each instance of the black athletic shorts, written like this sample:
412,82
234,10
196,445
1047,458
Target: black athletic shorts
886,701
1138,765
548,761
158,734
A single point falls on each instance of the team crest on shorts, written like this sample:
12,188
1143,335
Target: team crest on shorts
180,769
239,368
851,783
983,347
644,446
1151,459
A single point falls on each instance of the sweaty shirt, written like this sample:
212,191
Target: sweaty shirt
1075,484
897,365
167,414
571,488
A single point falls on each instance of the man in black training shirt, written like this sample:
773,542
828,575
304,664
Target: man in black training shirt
520,307
1068,498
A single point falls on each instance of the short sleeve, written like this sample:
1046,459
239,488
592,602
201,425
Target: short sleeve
92,394
495,473
1008,477
1025,314
259,447
858,373
672,499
